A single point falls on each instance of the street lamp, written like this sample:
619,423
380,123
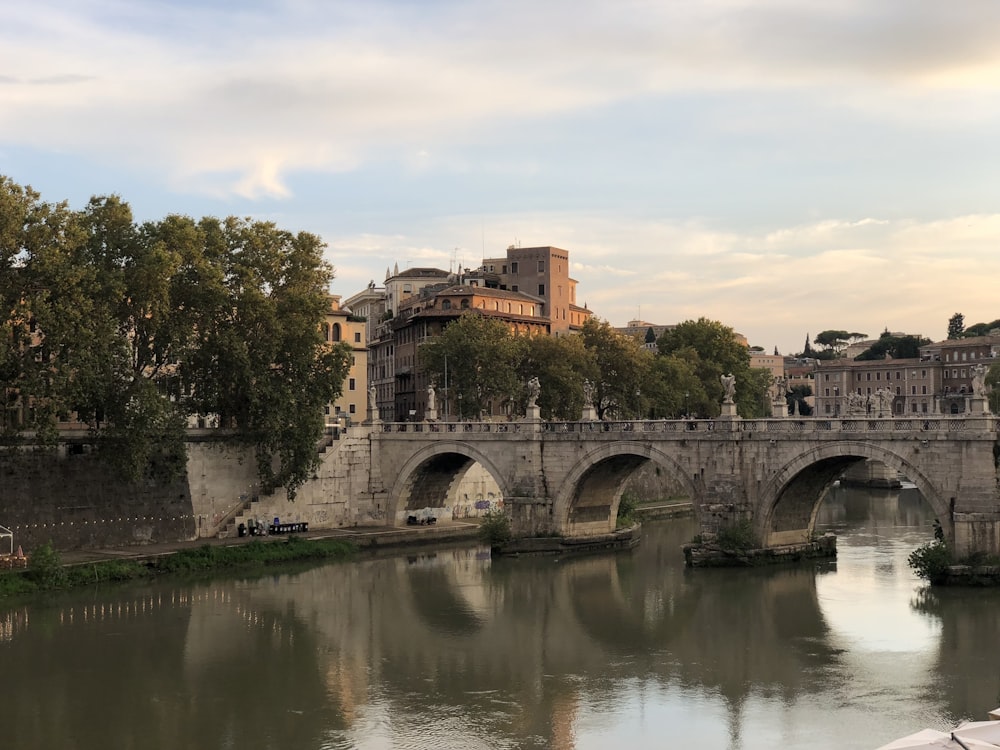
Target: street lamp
686,412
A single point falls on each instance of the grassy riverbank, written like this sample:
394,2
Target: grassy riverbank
46,571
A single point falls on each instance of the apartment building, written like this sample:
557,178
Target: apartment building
343,326
939,381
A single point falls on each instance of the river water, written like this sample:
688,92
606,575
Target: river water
449,649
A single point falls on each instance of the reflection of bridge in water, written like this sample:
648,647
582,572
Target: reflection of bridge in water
450,645
567,478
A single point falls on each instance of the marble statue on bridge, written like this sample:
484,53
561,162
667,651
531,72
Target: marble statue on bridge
728,387
534,389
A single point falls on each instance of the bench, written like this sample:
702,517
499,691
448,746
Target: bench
288,528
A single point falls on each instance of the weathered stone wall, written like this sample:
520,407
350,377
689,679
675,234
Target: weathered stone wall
70,498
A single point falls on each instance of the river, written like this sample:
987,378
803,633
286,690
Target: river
449,649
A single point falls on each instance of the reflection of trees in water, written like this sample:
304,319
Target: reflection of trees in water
122,674
970,624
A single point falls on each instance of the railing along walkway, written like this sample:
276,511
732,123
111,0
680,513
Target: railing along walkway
795,425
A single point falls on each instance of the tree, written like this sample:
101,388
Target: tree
258,358
561,364
835,341
956,326
133,328
981,329
673,389
483,358
622,365
807,350
712,349
895,347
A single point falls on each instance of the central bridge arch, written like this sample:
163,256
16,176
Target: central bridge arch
793,496
587,500
429,476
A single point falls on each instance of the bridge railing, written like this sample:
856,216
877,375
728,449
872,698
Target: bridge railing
793,425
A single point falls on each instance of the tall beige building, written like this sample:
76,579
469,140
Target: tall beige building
343,326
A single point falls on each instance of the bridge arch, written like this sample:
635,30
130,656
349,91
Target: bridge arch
428,477
791,499
587,500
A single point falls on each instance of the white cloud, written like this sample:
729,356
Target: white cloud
906,276
235,101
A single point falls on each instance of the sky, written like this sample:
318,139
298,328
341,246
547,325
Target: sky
784,167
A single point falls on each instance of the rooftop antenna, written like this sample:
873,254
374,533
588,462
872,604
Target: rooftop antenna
454,259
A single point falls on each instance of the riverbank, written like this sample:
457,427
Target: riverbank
54,570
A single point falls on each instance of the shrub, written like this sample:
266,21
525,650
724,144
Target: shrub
626,510
45,567
737,537
495,527
931,561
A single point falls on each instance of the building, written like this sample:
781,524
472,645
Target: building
426,315
939,381
343,326
530,288
647,333
541,272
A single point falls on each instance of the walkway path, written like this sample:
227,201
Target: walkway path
364,537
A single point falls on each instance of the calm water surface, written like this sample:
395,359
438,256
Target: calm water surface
453,650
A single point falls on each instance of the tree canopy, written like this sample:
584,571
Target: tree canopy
956,326
894,347
135,327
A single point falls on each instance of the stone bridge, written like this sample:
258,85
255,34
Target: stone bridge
567,478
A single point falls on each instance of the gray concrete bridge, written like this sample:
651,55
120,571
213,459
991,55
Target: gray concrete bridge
567,478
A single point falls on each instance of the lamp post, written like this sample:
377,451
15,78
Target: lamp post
686,412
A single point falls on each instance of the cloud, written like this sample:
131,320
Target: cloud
237,99
866,274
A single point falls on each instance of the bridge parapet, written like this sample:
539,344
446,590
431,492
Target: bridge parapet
985,425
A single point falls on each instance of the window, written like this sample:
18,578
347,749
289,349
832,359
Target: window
357,337
827,392
541,266
350,384
923,390
446,304
897,374
541,290
923,407
513,268
465,304
336,331
352,408
513,287
913,390
868,376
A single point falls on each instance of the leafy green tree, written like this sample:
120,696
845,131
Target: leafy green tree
673,389
484,359
561,364
835,341
956,326
713,350
622,366
258,358
896,347
981,329
135,327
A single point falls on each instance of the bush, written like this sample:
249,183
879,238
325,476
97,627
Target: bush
737,537
626,510
495,527
45,567
931,561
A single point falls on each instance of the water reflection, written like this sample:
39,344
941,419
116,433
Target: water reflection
451,649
